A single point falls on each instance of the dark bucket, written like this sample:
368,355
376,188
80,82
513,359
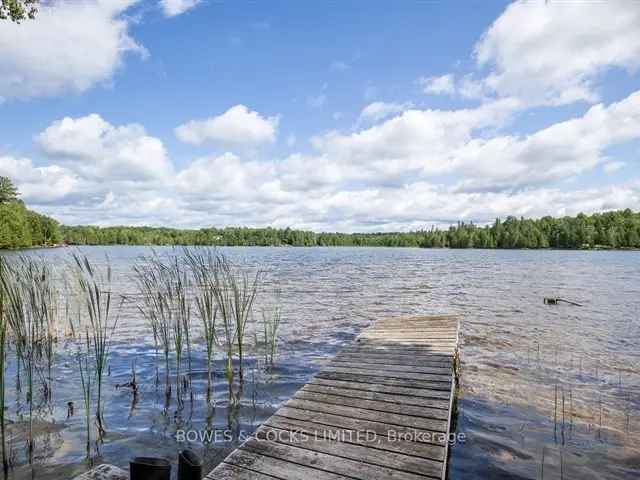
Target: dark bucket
189,466
148,468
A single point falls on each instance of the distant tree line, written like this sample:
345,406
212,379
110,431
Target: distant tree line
619,229
21,227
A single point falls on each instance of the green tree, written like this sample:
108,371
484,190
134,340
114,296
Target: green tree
8,192
18,10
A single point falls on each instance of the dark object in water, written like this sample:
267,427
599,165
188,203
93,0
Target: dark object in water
189,466
148,468
555,301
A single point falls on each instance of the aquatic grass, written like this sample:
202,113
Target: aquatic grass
3,359
149,275
221,291
270,327
25,286
236,290
97,297
179,294
86,379
202,266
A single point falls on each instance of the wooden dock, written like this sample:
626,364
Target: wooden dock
381,409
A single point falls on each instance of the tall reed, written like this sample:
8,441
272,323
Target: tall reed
149,276
270,326
3,358
86,379
202,265
236,290
224,301
95,289
180,300
26,284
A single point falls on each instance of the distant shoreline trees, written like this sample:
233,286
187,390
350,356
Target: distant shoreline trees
23,228
610,230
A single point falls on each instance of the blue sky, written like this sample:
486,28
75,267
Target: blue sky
324,115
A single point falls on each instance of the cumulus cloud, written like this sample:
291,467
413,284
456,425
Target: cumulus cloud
94,148
70,48
38,184
376,111
172,8
559,151
237,126
399,168
384,177
444,84
553,52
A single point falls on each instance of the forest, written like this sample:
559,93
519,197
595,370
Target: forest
21,227
618,229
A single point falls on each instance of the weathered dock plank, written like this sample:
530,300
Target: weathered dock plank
381,409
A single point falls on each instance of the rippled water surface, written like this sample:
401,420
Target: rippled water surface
521,360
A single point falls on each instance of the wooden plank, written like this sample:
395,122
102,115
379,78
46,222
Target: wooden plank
354,460
403,349
377,365
365,356
414,411
226,471
380,442
413,344
276,467
378,388
381,409
363,349
434,377
328,462
400,420
381,380
380,428
442,404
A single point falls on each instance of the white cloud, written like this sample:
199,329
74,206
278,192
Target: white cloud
557,152
171,8
444,84
416,142
94,148
71,47
38,184
384,177
376,111
553,52
237,126
612,167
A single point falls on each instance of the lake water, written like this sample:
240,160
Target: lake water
520,358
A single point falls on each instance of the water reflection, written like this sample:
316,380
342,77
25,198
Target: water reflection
520,359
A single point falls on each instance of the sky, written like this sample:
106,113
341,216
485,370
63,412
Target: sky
329,116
